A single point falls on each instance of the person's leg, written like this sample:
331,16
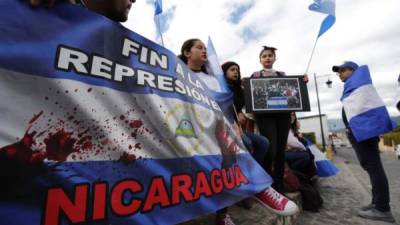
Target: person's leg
373,165
297,160
370,160
267,127
283,126
260,145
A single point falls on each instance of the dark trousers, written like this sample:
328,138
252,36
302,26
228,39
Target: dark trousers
298,160
275,127
369,157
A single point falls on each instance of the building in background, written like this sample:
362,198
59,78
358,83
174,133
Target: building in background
312,124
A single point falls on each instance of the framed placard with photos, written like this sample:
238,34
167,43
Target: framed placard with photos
276,94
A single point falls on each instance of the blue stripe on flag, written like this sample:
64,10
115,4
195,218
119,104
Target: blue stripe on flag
326,24
371,124
326,7
158,7
326,168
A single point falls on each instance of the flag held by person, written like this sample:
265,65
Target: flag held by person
158,10
326,7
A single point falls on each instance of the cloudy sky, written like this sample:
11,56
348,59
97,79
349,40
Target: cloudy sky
366,31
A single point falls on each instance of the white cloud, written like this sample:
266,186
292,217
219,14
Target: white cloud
366,31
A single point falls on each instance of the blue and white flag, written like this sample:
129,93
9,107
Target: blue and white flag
326,7
325,168
99,125
158,9
365,111
214,67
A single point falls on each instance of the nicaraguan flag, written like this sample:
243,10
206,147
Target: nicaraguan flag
326,7
365,110
158,9
214,67
325,168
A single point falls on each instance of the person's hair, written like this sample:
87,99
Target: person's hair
225,67
293,125
267,48
186,46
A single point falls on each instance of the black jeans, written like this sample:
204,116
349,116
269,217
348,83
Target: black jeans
370,160
275,127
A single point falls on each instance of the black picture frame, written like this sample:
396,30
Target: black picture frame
276,94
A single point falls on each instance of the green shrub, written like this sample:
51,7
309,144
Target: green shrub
390,138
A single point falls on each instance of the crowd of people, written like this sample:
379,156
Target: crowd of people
278,144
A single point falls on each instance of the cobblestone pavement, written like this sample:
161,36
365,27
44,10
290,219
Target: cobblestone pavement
344,194
392,168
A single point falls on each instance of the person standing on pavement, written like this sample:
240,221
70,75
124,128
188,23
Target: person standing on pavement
367,150
274,126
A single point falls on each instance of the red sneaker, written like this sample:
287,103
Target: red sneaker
276,202
223,219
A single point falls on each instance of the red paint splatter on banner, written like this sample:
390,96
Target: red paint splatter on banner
35,117
136,124
122,117
137,146
22,150
89,90
87,145
127,158
60,145
105,141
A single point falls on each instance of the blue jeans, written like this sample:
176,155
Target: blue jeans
257,145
